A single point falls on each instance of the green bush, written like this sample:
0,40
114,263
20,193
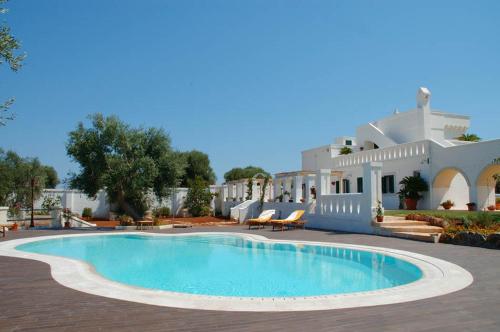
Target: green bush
162,212
345,150
198,199
87,212
484,219
126,220
467,222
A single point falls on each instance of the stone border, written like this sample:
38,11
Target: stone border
439,277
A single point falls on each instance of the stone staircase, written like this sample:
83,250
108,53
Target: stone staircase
408,229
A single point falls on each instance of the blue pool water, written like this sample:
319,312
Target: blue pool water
230,265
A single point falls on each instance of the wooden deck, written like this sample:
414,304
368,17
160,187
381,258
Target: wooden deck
31,300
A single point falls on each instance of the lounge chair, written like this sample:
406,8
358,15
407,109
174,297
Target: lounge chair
262,220
293,220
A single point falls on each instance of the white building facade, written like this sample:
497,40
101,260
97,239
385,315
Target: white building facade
420,141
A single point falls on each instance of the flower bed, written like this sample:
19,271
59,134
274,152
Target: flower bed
479,229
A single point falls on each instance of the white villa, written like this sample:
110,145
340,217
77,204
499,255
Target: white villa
340,191
419,141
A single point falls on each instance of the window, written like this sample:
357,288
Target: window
348,142
337,187
346,185
375,146
388,184
360,185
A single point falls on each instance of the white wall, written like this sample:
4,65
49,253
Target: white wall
76,201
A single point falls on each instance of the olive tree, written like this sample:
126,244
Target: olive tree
248,172
17,174
9,47
197,166
128,163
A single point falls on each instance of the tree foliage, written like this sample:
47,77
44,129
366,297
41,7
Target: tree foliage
198,198
197,165
244,173
346,150
9,47
16,174
128,163
469,138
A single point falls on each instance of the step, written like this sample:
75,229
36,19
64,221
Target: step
413,229
400,222
426,237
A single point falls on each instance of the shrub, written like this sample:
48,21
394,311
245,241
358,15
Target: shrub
161,212
484,219
126,220
198,199
466,222
50,203
87,212
345,150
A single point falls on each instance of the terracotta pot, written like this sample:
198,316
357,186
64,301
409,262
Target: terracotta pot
471,207
447,206
67,224
411,204
380,218
14,227
491,208
497,206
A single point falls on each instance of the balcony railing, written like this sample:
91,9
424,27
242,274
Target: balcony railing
400,151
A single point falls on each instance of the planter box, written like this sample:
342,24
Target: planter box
134,228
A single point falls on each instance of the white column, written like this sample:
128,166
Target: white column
297,189
372,187
323,182
3,213
276,187
308,189
255,190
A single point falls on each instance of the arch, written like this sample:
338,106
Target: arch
451,183
485,185
444,177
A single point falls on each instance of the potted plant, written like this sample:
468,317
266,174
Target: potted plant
87,214
411,187
66,214
447,204
471,206
491,208
380,212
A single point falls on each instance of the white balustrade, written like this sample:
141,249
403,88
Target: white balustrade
401,151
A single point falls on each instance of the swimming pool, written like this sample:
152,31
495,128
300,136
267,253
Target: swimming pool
228,265
230,271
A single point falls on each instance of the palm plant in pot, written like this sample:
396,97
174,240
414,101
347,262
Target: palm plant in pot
411,187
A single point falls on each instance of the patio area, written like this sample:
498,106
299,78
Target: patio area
32,300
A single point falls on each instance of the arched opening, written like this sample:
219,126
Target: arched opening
450,184
486,185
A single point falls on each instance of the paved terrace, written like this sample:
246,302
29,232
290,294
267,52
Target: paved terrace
31,300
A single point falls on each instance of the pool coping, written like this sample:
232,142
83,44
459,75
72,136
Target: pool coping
439,278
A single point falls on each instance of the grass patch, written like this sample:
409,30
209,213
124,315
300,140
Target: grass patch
448,215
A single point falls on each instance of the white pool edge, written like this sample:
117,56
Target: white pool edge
439,278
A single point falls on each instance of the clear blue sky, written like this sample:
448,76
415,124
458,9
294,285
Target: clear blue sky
248,82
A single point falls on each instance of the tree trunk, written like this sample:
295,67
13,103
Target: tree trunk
129,210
